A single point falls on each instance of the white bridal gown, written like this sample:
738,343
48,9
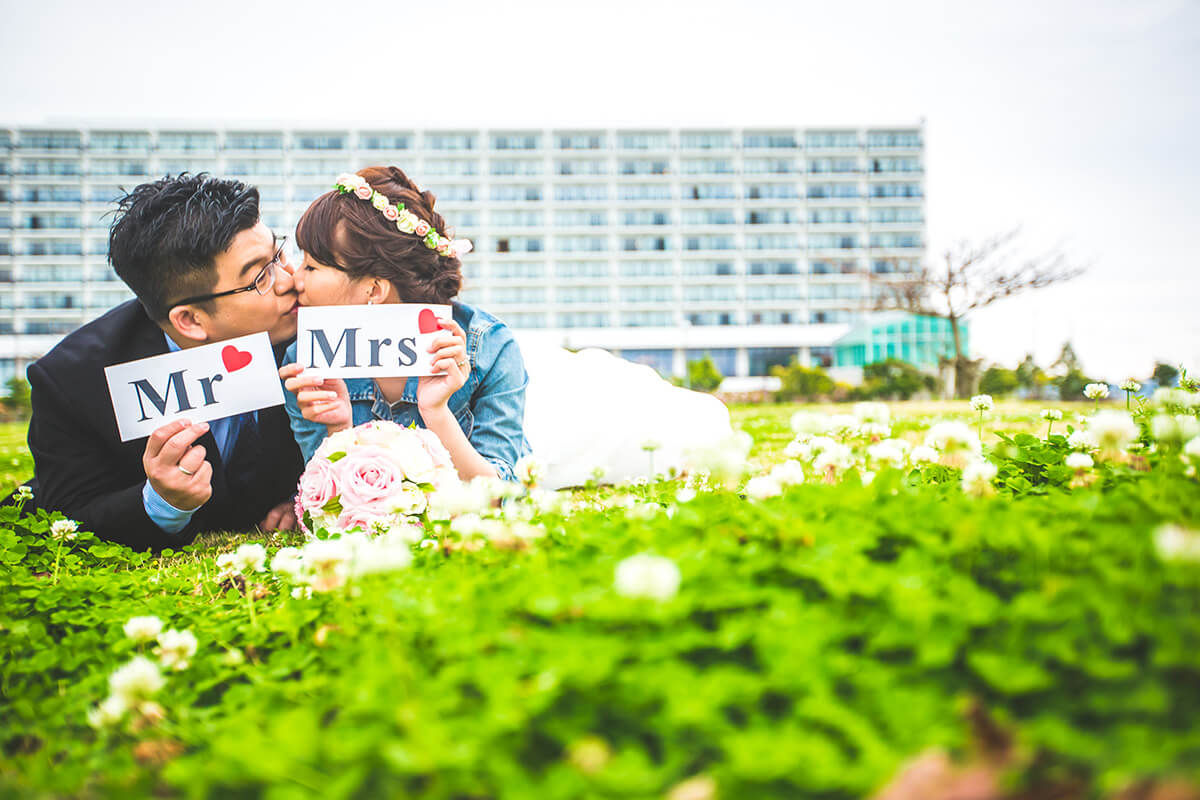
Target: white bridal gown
590,409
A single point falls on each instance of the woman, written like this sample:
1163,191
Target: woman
591,414
377,240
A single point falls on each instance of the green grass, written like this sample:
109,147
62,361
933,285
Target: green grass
818,641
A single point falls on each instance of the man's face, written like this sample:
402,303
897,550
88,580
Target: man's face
250,312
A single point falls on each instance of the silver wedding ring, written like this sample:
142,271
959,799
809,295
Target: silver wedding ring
185,470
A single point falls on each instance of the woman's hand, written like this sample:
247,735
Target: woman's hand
450,359
322,400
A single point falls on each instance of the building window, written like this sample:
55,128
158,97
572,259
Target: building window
763,358
725,358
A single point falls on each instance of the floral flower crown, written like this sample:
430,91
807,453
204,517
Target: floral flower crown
406,221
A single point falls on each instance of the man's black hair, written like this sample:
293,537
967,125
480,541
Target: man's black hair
166,235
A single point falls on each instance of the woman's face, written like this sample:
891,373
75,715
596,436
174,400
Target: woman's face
319,284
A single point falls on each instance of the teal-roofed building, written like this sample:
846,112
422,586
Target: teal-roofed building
916,338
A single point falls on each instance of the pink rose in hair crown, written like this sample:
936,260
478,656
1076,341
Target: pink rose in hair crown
363,192
422,228
391,214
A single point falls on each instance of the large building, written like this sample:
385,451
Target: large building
756,246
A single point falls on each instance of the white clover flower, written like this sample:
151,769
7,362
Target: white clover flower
466,497
890,451
789,473
953,437
1052,414
1192,448
982,402
760,487
1175,543
874,430
546,501
288,561
249,558
1174,428
873,412
143,629
687,494
650,445
136,680
923,454
867,477
386,553
108,712
798,449
1131,386
843,423
176,648
24,492
302,592
233,657
64,529
529,470
1112,430
1095,391
723,462
647,576
598,472
1082,439
1176,398
1079,461
833,460
807,422
977,477
327,562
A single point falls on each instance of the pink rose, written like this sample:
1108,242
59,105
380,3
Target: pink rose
370,476
360,518
422,228
364,192
318,485
391,214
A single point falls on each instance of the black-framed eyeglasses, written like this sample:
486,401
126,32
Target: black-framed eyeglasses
263,282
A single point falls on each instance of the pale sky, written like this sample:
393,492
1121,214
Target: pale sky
1074,120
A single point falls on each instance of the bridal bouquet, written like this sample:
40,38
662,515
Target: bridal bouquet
374,477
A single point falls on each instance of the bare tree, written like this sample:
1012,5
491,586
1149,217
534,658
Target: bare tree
968,278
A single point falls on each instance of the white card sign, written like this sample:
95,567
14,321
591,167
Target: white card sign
198,384
368,341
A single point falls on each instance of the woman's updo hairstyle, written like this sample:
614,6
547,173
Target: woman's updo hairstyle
342,231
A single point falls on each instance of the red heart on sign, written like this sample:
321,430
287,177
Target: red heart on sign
426,321
235,359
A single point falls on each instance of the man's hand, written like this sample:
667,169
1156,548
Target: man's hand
280,518
175,465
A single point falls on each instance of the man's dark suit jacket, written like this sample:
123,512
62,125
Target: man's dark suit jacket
83,469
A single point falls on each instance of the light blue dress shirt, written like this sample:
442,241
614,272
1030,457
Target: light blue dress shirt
225,430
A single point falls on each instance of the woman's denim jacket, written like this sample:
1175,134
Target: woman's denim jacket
490,407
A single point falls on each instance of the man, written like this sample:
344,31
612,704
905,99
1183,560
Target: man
204,268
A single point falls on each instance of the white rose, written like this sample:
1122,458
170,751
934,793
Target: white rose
410,500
